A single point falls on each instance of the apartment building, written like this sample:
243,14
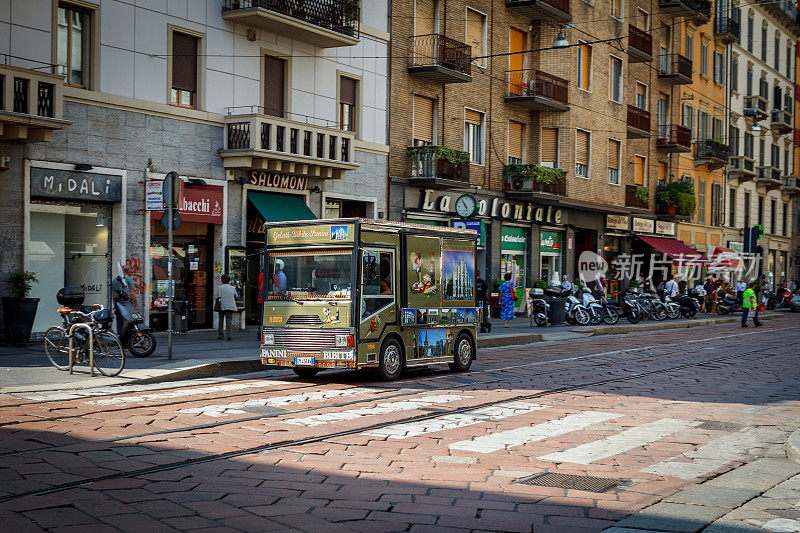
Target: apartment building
531,122
268,110
761,101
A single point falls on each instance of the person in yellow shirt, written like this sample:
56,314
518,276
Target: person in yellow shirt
750,302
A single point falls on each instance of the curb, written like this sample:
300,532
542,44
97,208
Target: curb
613,330
210,370
793,446
512,339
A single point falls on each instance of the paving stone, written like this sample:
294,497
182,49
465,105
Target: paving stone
673,517
715,496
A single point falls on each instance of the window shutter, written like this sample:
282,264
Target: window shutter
424,17
475,33
515,139
184,62
613,154
639,174
274,86
549,140
472,117
582,147
423,118
347,90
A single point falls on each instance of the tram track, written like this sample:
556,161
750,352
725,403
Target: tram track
372,427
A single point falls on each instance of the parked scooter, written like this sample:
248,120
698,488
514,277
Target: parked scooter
540,308
672,307
727,303
688,304
575,312
599,309
627,307
134,334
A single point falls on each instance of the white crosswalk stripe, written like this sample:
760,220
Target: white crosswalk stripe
379,409
714,454
277,401
515,437
487,414
621,442
183,393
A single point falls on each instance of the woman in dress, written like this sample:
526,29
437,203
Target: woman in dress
506,290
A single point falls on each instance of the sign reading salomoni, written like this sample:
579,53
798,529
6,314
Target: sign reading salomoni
280,181
69,184
311,234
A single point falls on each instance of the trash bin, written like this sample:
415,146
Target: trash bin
557,311
180,316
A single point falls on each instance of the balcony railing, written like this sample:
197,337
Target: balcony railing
535,179
638,123
325,23
437,162
633,198
674,138
741,167
286,145
675,69
31,104
441,59
702,12
556,10
677,8
791,186
726,29
640,45
755,107
768,176
711,153
781,121
535,89
784,9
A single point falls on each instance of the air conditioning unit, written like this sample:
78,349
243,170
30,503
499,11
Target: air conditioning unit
520,184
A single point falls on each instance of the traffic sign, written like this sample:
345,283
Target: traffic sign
176,219
171,188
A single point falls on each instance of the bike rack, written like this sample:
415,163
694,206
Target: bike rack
71,335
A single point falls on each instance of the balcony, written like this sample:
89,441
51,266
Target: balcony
674,139
784,10
550,10
702,12
638,123
711,153
534,89
755,107
262,142
726,30
31,105
323,23
522,181
768,178
675,69
741,168
781,122
676,8
637,197
441,59
640,45
438,166
791,186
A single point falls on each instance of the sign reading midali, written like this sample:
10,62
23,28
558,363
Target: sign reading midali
495,208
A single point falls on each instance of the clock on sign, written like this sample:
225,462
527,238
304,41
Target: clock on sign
466,206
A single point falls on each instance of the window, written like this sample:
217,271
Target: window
760,211
688,118
702,125
716,129
704,59
616,79
516,142
274,86
616,9
549,147
184,70
736,15
773,217
778,51
761,158
749,81
716,204
764,43
733,140
786,162
734,75
784,229
640,170
348,91
475,35
777,93
582,152
584,66
643,19
701,201
750,31
662,172
641,95
473,135
422,123
72,45
614,151
789,59
719,68
747,210
775,156
662,110
377,282
749,140
689,46
732,208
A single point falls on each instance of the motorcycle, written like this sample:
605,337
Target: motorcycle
134,334
575,312
784,298
599,309
651,307
540,308
727,303
673,308
688,304
630,309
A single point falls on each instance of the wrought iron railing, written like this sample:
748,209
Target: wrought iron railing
432,162
674,64
742,164
726,26
438,50
711,149
341,16
640,40
634,199
689,4
674,135
534,82
638,118
561,5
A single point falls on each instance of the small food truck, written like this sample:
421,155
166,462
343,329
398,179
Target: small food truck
359,293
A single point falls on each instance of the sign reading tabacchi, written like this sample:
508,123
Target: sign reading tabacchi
69,184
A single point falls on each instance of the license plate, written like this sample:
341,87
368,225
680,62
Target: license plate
304,361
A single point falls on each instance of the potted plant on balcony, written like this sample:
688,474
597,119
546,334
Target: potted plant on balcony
444,162
515,175
547,175
19,311
665,199
643,194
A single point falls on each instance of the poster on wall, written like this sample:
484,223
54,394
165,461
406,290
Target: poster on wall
458,275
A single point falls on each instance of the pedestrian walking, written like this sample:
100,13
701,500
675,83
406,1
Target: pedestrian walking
508,295
227,305
481,297
671,286
750,304
710,288
740,287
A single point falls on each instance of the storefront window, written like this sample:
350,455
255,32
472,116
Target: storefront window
68,246
513,259
550,250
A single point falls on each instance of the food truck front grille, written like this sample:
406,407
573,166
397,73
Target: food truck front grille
304,320
305,340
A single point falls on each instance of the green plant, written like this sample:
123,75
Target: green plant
643,194
455,157
517,170
685,203
547,175
664,195
676,193
634,283
541,284
20,283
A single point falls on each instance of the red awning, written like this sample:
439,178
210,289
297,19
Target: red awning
725,259
675,250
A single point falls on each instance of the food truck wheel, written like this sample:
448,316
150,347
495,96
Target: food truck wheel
306,372
391,361
463,354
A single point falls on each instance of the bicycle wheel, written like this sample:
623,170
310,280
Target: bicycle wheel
56,346
109,359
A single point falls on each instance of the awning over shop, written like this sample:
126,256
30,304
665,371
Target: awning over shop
280,207
674,249
723,259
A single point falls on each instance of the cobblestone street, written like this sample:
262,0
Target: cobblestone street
655,412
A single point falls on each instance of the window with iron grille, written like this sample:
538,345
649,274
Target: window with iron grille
21,95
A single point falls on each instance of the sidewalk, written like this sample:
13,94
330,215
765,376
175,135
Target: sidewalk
199,354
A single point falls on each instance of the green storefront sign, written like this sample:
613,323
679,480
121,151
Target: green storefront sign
513,239
551,241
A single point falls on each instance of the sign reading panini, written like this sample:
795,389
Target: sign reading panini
314,234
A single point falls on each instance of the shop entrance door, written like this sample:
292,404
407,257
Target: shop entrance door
515,264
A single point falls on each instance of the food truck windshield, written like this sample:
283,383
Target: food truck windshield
318,273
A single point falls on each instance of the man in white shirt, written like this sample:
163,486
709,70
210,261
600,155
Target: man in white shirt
741,286
565,284
671,287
